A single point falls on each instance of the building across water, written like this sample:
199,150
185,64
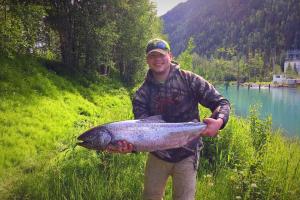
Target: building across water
291,70
292,61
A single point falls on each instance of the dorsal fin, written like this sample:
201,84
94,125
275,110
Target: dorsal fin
154,118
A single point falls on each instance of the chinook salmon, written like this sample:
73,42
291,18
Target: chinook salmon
149,134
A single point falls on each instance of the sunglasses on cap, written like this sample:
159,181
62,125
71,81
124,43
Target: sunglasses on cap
157,44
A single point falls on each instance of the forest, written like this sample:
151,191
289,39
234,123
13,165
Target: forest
253,36
247,38
84,37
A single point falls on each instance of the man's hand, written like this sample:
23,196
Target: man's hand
121,147
213,125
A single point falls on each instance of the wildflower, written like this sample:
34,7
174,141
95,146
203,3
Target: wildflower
232,178
238,197
253,185
208,176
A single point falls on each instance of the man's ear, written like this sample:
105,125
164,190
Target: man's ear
171,55
147,60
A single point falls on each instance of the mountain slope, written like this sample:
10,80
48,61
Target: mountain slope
268,25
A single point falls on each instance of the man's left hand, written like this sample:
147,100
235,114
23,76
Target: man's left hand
213,126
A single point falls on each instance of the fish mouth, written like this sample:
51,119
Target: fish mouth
88,145
81,137
85,144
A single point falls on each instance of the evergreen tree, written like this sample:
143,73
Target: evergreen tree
270,27
185,59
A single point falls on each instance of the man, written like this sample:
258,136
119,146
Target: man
174,94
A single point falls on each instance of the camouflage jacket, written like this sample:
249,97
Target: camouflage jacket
177,101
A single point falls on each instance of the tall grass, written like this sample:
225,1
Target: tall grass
249,161
42,113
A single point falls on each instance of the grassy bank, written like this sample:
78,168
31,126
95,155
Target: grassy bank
42,113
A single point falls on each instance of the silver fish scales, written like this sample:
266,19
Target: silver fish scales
150,134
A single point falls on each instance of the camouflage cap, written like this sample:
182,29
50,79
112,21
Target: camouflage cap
158,45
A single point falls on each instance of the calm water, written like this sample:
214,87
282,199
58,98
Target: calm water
282,103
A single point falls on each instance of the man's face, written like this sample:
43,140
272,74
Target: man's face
158,62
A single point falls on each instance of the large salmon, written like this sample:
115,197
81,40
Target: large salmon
150,134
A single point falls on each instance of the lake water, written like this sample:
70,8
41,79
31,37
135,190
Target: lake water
282,103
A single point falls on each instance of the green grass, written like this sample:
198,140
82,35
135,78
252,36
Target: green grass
43,113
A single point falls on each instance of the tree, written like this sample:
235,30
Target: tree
290,71
277,69
267,26
21,27
93,36
185,59
137,24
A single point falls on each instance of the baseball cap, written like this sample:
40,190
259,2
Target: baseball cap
158,45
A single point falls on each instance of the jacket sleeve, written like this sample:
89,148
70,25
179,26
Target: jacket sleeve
208,96
140,103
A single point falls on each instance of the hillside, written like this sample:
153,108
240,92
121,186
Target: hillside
42,113
268,26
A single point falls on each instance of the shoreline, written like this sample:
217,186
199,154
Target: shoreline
264,85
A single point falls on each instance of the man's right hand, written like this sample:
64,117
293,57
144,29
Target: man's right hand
121,147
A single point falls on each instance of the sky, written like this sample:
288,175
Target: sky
163,6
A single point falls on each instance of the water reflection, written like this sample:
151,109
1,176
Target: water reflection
282,103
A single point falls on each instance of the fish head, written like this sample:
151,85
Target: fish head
97,138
